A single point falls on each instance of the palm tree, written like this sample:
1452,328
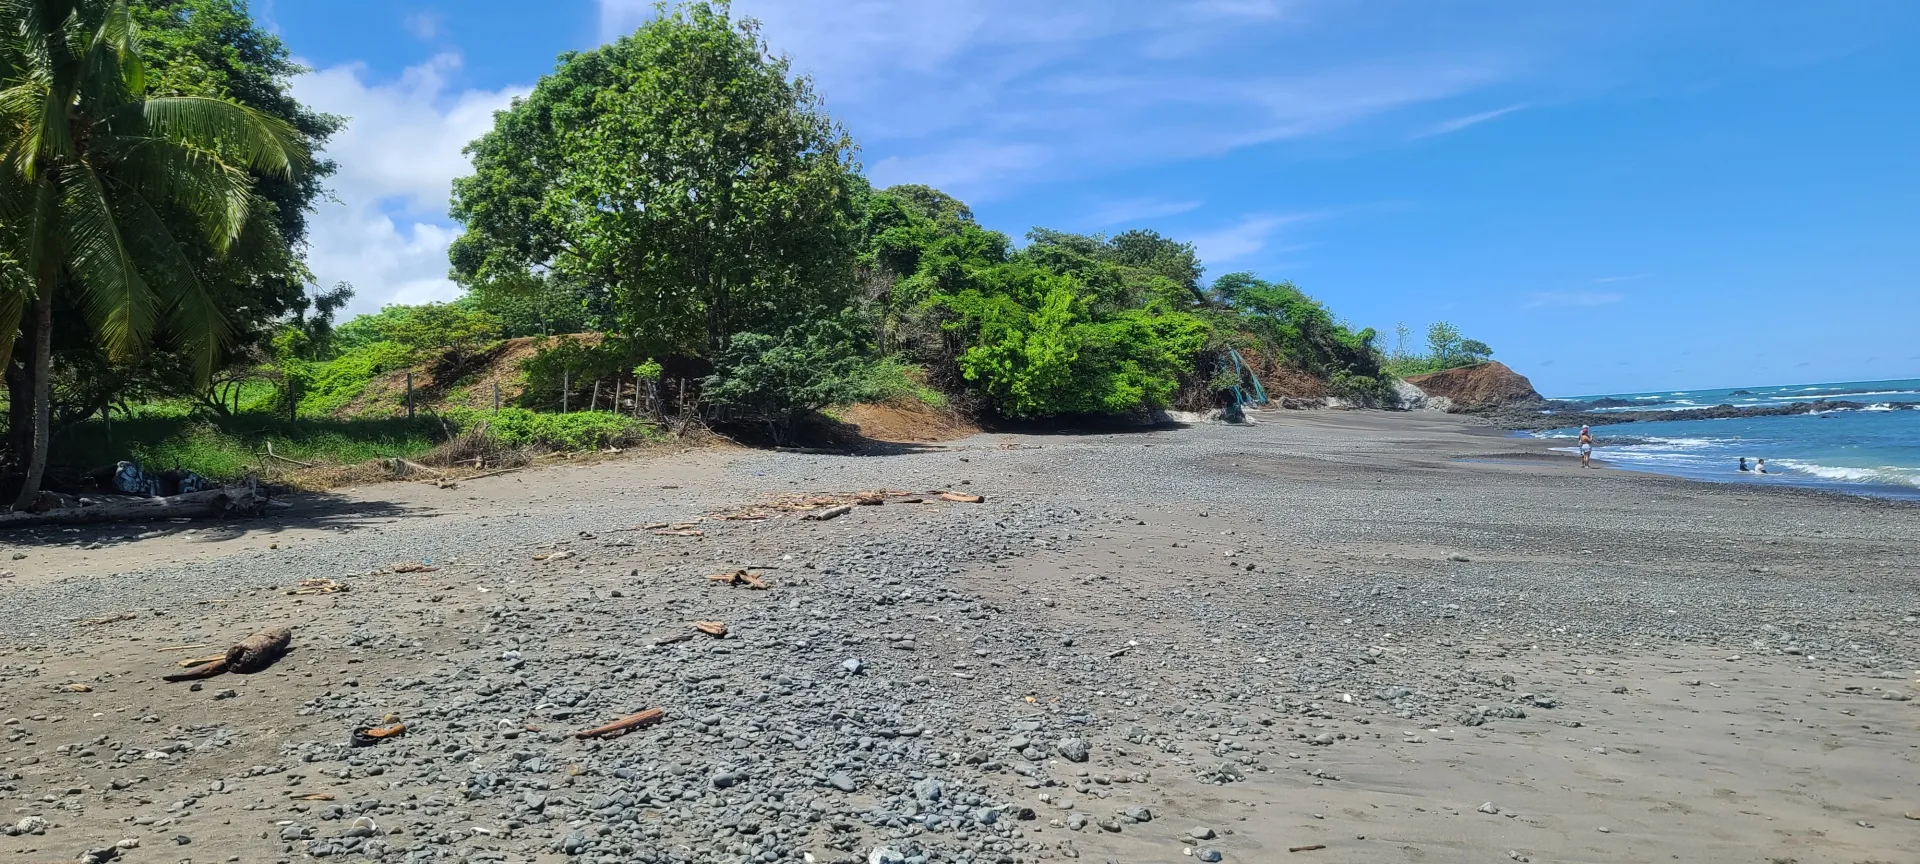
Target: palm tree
96,182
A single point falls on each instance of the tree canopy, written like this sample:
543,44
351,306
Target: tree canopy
683,171
107,194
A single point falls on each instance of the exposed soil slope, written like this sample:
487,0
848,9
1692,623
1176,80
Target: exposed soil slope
1478,387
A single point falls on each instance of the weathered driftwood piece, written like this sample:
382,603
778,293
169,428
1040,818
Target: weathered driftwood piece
206,670
620,727
243,500
829,513
740,577
258,651
963,498
711,628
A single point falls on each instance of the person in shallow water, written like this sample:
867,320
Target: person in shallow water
1760,466
1743,465
1586,448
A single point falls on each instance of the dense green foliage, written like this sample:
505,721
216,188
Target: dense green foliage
1043,344
681,173
111,196
1303,334
675,211
432,328
578,430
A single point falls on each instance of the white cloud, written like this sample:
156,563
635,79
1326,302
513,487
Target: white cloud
1447,127
1251,234
388,233
1631,277
1550,299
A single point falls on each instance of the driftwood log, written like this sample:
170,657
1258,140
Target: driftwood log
258,651
251,654
240,500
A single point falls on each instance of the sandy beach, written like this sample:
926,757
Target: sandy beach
1326,637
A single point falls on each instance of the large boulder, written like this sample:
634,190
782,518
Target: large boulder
1477,387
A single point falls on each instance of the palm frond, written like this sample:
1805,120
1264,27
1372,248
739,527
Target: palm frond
46,134
114,74
258,140
192,314
113,294
216,193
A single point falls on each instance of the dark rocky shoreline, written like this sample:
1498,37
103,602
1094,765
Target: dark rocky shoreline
1557,414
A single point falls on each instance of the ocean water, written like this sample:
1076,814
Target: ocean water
1871,451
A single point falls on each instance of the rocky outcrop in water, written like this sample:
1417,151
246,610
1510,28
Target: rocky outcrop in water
1562,414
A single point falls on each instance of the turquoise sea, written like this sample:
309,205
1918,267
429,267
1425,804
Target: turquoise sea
1870,451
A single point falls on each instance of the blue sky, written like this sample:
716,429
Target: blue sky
1617,197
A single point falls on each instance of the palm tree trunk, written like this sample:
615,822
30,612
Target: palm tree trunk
42,377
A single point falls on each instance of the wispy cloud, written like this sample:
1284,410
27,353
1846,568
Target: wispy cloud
1137,209
1251,234
1634,277
1448,127
425,26
1551,299
996,95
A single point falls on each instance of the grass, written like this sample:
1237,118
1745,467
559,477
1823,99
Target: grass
891,378
227,448
231,447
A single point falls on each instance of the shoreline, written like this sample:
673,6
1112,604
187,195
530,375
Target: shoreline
1323,629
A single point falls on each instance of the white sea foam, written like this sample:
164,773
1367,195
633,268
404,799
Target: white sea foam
1688,442
1891,474
1836,395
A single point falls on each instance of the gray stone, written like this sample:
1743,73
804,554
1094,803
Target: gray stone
1073,749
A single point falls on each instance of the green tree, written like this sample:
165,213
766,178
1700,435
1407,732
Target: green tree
429,328
684,171
1443,344
93,168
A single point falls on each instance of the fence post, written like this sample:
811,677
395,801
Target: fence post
496,397
595,404
409,395
566,388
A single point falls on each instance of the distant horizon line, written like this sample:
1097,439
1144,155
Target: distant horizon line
1915,378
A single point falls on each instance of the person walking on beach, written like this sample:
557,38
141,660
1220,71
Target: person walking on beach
1586,448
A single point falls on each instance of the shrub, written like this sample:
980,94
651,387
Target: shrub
1040,348
779,379
891,379
579,430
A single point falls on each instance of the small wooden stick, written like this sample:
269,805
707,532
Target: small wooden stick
620,727
1314,847
711,628
201,661
184,647
963,498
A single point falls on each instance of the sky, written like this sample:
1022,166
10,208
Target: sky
1618,197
